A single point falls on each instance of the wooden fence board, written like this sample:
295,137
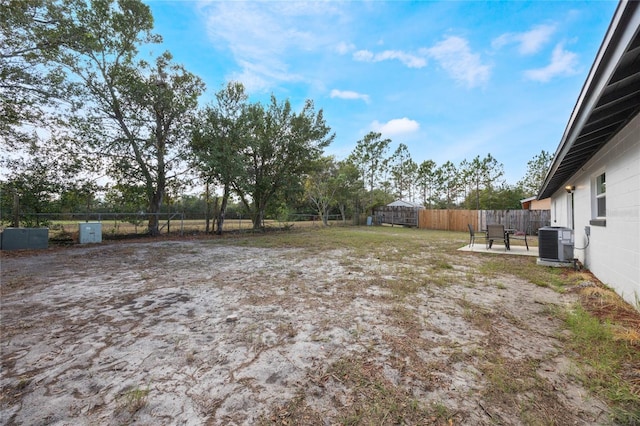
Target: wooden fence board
457,220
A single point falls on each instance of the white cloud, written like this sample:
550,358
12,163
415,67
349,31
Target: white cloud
529,42
343,47
455,56
408,59
347,94
563,62
264,36
396,126
363,55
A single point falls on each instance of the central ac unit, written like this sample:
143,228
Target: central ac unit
555,243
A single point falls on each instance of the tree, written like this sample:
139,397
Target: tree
281,148
322,185
403,172
537,169
501,197
492,172
369,157
218,141
448,183
349,187
426,180
29,34
135,113
41,176
480,174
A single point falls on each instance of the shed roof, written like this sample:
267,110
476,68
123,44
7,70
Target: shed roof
403,203
609,99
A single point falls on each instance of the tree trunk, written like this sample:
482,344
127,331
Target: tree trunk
16,210
223,209
207,208
325,217
154,209
258,218
343,208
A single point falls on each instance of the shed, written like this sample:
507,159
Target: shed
399,212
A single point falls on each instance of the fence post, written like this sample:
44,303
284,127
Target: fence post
16,210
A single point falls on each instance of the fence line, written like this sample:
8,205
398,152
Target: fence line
397,215
457,220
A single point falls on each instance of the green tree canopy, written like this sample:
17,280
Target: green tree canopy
369,156
537,169
218,140
280,149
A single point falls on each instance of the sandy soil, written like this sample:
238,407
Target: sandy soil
192,332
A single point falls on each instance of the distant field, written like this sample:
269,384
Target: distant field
119,227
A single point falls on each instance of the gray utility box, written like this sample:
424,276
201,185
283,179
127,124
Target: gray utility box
555,243
24,238
90,232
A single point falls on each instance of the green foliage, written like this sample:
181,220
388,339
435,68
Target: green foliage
426,181
537,169
369,157
30,34
403,173
281,149
500,198
477,176
218,140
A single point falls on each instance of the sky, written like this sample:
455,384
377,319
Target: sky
451,80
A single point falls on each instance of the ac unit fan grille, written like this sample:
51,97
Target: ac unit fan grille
548,243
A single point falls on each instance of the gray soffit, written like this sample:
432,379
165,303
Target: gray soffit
609,99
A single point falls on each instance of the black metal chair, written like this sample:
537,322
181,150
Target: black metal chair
521,235
473,236
496,233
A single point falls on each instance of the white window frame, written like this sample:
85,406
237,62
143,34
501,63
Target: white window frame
598,193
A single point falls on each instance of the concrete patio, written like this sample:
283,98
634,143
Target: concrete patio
516,250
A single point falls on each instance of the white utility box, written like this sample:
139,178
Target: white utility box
90,232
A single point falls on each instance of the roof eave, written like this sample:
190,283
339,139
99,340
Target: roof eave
623,27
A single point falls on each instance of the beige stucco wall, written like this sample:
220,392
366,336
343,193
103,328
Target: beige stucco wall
544,204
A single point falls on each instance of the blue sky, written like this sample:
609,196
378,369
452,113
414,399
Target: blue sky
451,80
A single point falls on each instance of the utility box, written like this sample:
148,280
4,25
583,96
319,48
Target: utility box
24,238
90,232
555,243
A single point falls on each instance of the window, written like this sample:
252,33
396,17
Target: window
601,196
599,200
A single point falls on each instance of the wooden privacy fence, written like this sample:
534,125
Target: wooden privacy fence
457,220
448,220
522,220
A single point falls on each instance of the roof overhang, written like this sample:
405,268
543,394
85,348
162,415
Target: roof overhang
609,99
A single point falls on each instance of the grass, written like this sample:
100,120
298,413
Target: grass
428,261
134,399
409,266
604,361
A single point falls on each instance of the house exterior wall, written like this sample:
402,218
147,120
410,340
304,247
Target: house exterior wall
612,252
544,204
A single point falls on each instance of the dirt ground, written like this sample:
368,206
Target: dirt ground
201,332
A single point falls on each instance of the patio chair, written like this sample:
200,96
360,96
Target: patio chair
473,236
496,232
521,235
